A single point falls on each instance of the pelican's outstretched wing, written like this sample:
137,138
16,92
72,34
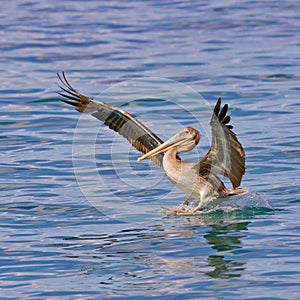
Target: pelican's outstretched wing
115,118
226,155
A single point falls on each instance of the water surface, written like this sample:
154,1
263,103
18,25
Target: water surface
55,244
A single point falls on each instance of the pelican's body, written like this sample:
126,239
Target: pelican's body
199,180
186,177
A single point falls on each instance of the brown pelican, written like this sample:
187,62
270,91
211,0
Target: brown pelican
199,180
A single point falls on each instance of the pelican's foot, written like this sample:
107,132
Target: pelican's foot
198,207
180,210
184,209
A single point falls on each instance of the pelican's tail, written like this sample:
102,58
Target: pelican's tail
231,192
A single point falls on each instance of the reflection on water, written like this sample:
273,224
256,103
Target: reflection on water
175,252
226,238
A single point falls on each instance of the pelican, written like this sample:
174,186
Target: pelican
198,180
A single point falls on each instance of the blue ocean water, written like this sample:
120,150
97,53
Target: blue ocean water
54,242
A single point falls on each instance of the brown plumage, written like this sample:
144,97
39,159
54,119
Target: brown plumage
115,118
226,155
198,180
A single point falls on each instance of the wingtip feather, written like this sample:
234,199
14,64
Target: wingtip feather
217,106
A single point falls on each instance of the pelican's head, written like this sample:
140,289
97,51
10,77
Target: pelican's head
185,140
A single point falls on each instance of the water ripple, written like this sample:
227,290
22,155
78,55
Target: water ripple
55,244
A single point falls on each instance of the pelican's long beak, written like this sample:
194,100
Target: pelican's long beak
174,141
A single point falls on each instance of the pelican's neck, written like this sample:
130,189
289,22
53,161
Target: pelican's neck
172,165
181,173
171,156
